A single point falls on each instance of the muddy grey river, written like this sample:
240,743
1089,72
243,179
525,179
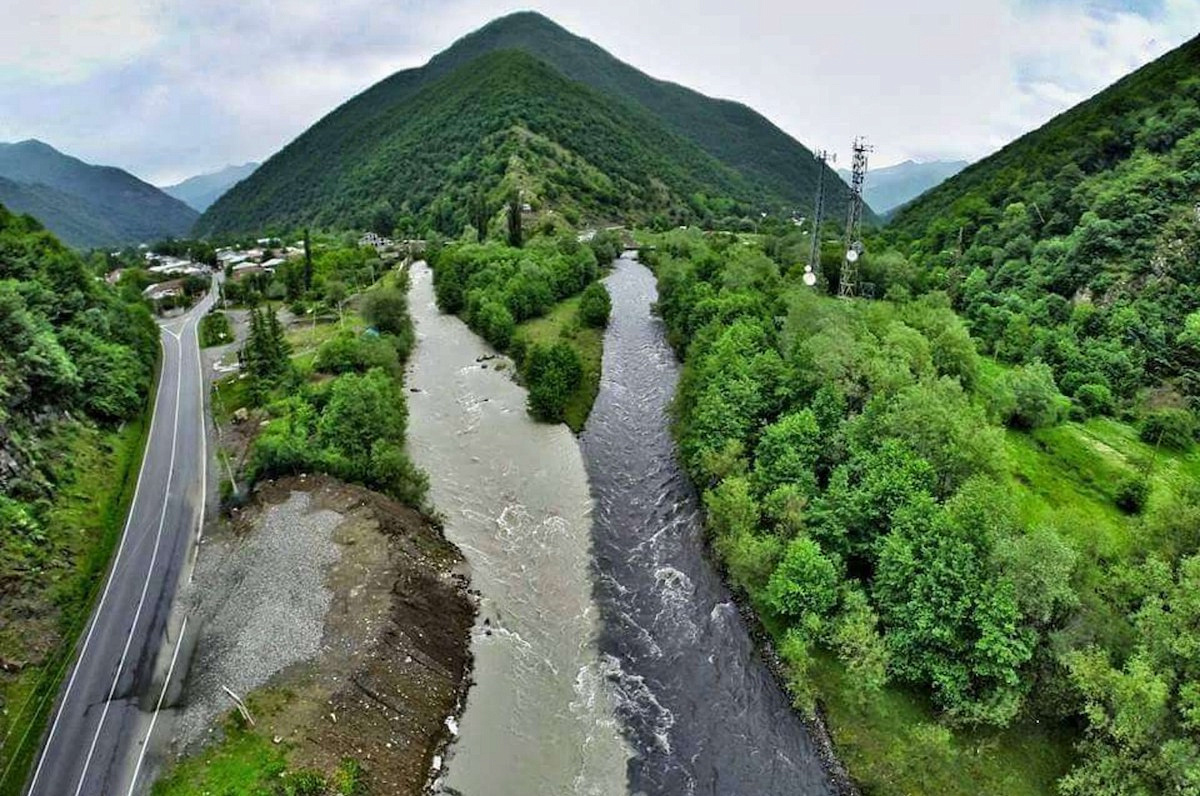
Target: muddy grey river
539,719
610,658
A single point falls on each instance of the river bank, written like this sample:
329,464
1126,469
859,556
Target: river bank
342,619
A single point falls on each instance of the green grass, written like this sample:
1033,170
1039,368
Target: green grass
242,764
97,482
891,743
245,761
562,323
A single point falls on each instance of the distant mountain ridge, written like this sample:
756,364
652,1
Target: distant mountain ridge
200,191
364,161
892,186
87,205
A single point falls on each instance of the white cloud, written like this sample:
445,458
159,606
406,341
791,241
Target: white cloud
182,86
68,39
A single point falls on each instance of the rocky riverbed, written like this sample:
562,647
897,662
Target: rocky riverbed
343,618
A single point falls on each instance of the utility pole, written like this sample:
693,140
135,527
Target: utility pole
818,215
848,284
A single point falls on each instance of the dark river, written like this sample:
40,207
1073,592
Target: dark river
700,709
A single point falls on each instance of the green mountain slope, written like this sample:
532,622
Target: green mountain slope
106,206
736,135
682,143
504,119
74,220
1078,244
201,191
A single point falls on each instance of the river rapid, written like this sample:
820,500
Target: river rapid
539,719
610,657
700,707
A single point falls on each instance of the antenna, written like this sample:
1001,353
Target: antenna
814,253
848,284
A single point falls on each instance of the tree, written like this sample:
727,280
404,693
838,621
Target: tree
362,410
515,237
595,305
553,374
386,308
1036,400
803,588
481,214
788,452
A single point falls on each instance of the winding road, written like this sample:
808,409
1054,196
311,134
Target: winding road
108,708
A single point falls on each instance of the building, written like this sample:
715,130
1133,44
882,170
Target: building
162,290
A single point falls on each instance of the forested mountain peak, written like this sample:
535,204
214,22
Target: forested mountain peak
717,159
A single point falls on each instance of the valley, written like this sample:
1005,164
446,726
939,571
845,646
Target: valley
523,427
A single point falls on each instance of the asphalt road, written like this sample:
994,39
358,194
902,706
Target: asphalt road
107,708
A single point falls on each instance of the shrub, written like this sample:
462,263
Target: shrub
348,352
1131,493
1171,428
1094,399
552,374
595,305
1037,403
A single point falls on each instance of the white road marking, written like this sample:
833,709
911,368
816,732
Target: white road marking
108,585
162,519
157,708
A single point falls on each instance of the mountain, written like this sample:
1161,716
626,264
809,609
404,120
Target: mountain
87,205
1078,244
423,141
202,190
888,188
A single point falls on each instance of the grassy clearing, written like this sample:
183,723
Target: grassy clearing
98,472
562,322
892,743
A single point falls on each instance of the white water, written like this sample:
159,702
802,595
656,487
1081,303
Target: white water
539,720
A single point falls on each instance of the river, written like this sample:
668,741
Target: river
539,719
700,707
609,656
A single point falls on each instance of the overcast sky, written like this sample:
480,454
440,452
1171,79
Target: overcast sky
171,88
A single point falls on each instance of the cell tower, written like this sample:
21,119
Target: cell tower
818,215
848,284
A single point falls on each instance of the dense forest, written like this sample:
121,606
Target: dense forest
1079,244
524,104
732,133
483,128
75,370
867,479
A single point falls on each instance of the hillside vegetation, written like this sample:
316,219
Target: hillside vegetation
1079,244
522,103
84,205
966,580
75,370
502,121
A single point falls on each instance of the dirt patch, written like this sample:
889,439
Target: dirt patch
393,659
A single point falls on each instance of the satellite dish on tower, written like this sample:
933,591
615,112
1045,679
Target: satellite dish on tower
810,278
852,256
